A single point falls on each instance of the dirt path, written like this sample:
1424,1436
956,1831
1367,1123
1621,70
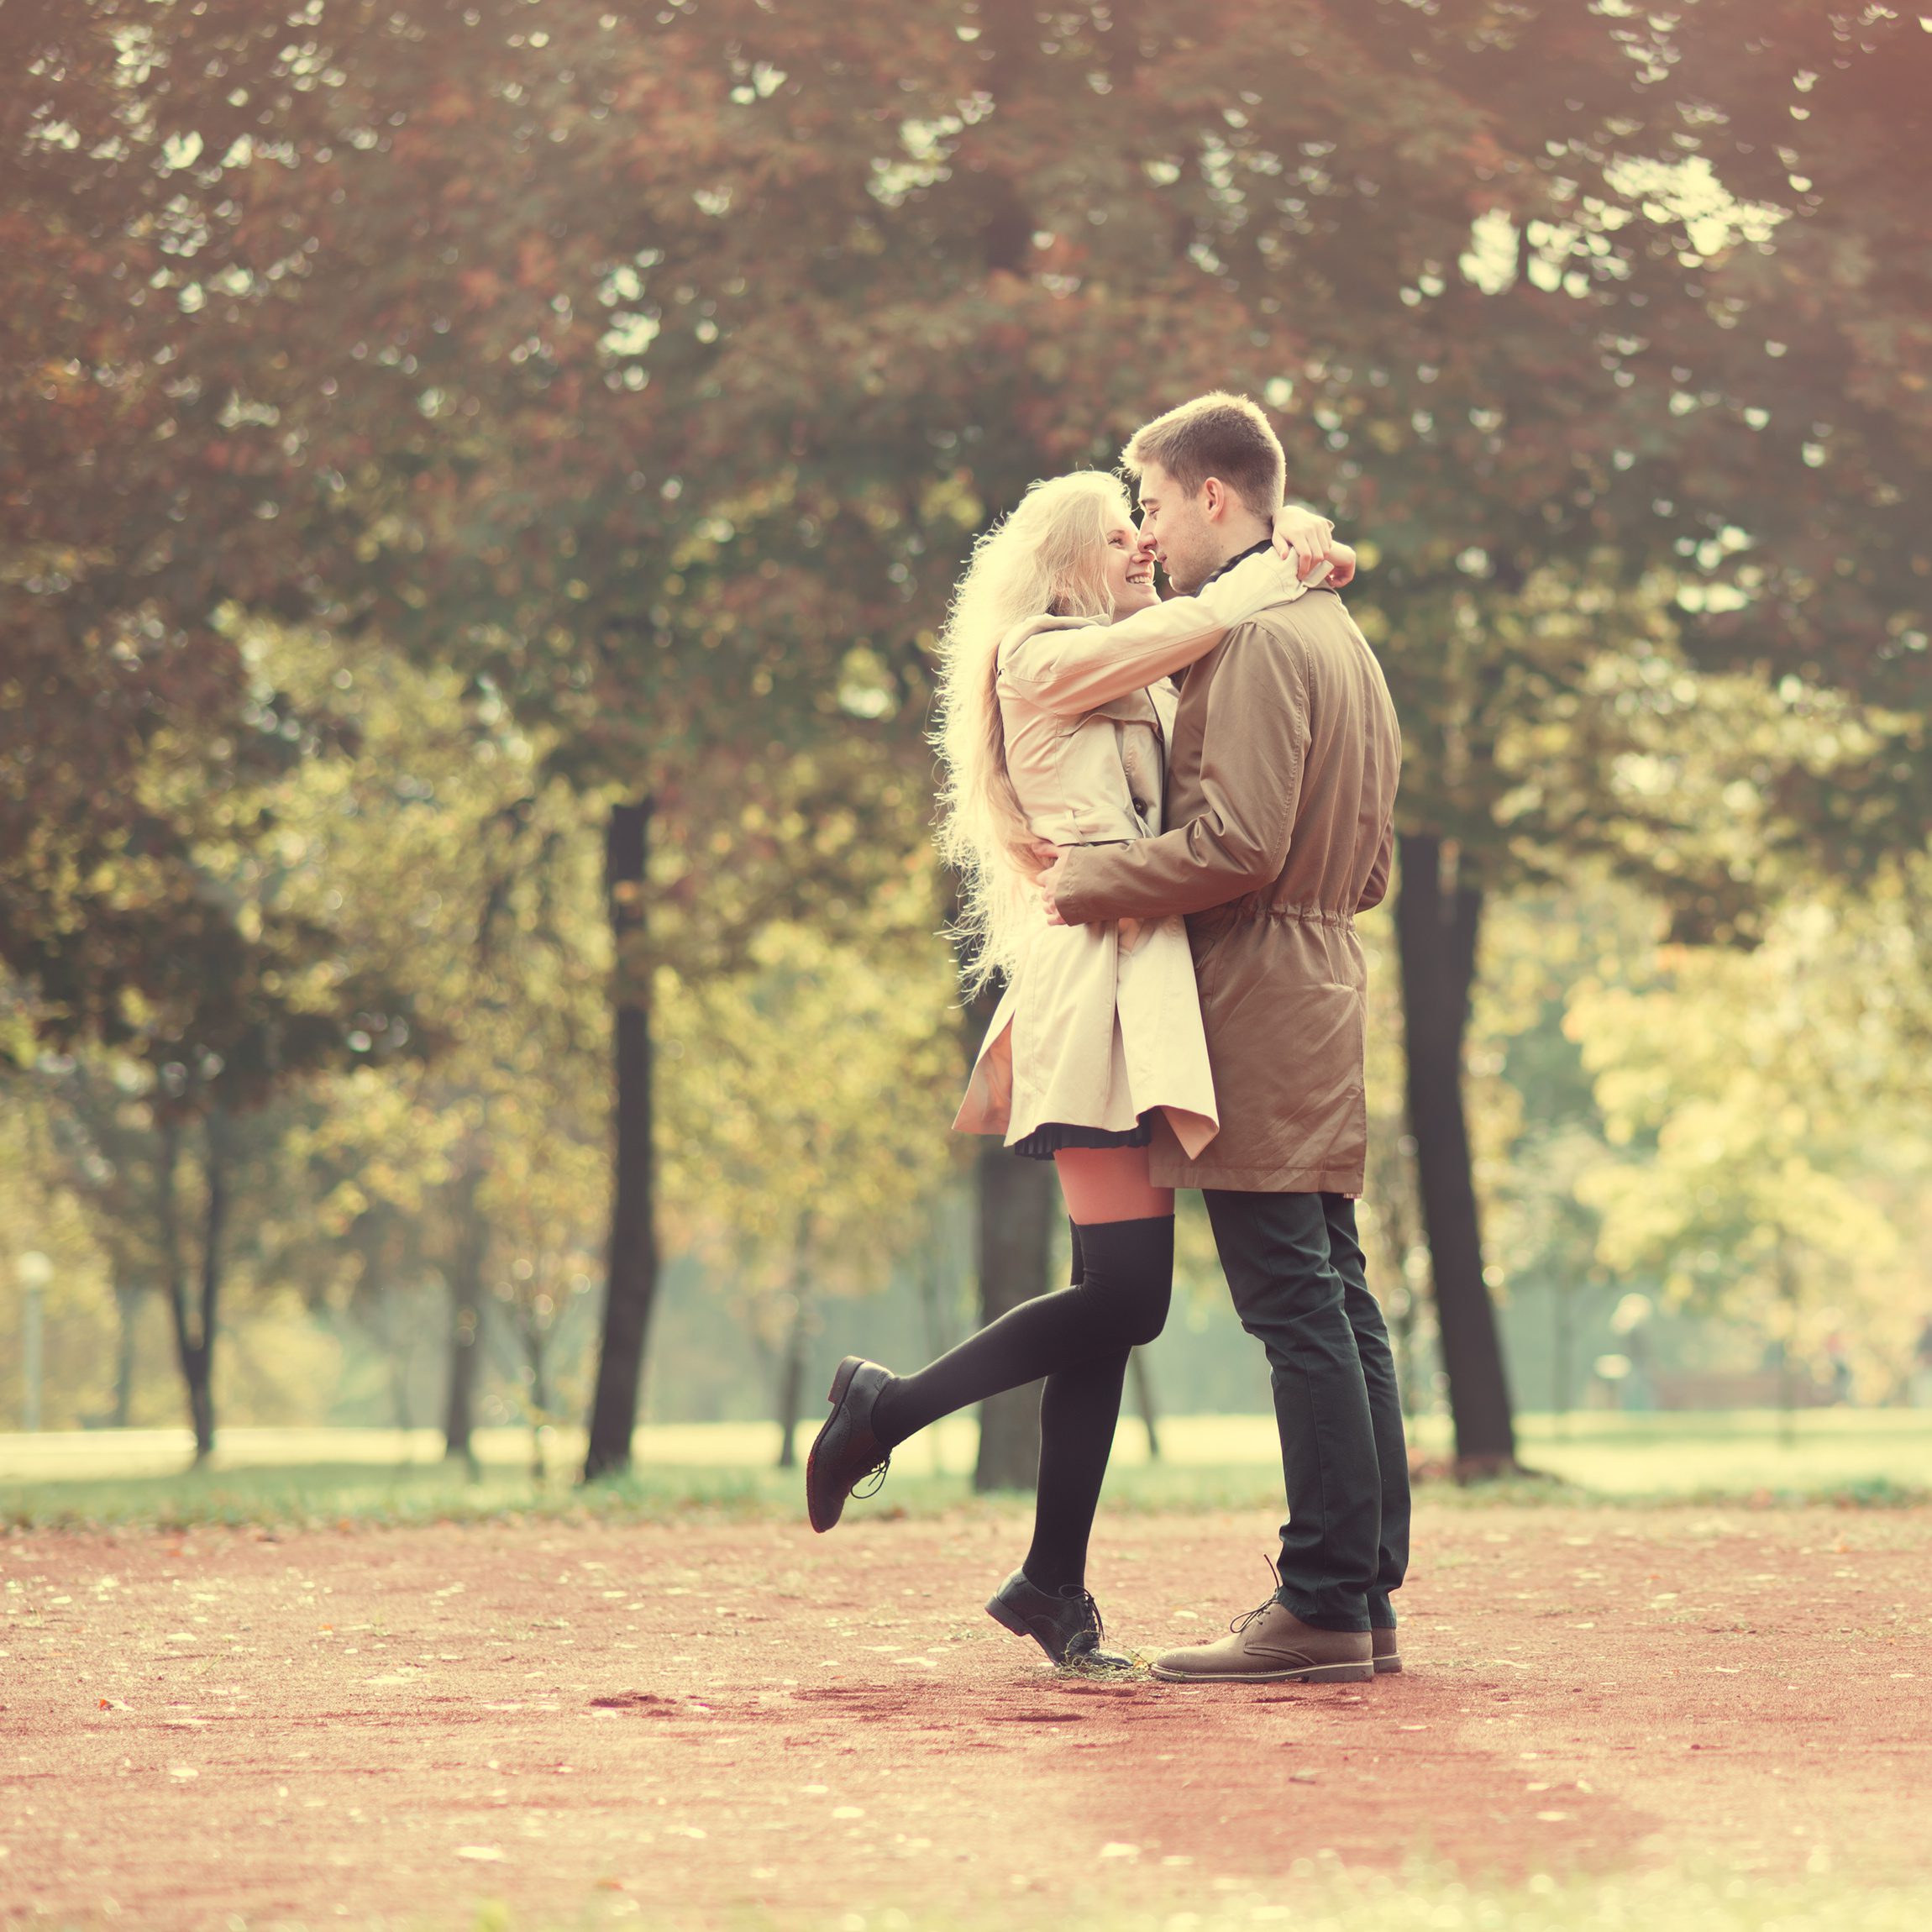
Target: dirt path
397,1724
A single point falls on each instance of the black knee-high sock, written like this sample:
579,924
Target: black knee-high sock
1078,1409
1120,1299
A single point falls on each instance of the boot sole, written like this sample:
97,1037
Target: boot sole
841,1381
1388,1666
1307,1674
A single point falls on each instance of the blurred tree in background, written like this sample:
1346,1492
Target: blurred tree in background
642,380
805,1119
1769,1117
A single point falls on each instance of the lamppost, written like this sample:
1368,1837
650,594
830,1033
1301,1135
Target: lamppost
35,1271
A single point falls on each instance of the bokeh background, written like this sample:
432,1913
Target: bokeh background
482,484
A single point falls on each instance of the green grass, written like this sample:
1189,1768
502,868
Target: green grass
1849,1457
321,1495
1875,1455
345,1495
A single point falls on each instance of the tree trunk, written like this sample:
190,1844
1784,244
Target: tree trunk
465,1324
536,1354
791,1388
1018,1203
1787,1350
792,1367
127,1313
631,1278
214,1232
401,1360
1437,917
195,1329
1392,1181
936,1259
932,1309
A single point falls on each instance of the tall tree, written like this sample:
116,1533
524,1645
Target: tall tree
631,1277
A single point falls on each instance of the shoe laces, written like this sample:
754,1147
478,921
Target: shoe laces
1072,1593
1089,1638
1261,1609
875,1475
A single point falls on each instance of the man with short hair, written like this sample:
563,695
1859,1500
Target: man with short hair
1280,793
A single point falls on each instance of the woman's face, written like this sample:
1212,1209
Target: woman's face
1130,569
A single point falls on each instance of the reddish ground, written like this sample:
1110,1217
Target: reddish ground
398,1724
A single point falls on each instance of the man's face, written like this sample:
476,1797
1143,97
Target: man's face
1176,531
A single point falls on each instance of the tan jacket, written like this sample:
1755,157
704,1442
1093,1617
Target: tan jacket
1280,792
1100,1023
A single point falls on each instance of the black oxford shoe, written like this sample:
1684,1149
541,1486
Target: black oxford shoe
845,1451
1065,1624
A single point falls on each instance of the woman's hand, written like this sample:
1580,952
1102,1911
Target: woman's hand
1049,883
1040,853
1042,862
1341,566
1307,537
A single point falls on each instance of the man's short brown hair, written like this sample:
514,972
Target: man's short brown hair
1218,435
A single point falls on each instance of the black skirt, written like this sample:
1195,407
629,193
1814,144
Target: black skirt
1046,1139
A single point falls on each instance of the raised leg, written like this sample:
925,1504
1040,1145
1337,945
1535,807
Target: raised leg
1120,1300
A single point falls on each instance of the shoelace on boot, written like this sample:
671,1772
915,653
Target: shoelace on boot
875,1475
1089,1639
1239,1623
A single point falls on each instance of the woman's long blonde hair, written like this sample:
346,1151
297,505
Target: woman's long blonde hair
1048,556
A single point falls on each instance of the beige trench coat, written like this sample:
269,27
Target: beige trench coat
1281,791
1100,1022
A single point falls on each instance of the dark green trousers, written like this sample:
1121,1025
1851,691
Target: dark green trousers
1295,1270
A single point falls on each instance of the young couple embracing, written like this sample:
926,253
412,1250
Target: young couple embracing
1166,816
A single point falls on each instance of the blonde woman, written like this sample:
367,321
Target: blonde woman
1057,700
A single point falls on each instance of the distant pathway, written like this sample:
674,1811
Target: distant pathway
402,1722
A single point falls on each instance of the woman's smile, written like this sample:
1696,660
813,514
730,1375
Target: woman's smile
1130,570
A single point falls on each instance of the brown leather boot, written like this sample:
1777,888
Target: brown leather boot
1272,1646
1388,1654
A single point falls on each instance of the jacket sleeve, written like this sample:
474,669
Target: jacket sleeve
1254,744
1071,671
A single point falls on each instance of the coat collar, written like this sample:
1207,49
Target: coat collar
1253,550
